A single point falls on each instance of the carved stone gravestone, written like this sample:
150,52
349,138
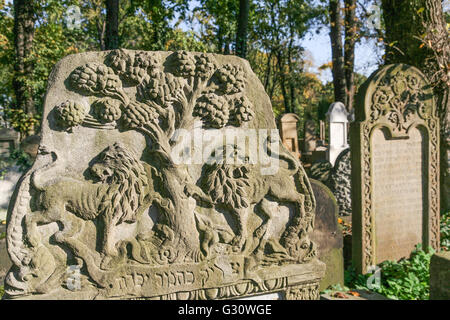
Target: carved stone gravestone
328,235
9,139
395,167
144,187
340,182
287,125
337,117
310,140
322,133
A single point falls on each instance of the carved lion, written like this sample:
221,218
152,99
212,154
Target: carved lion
116,197
237,187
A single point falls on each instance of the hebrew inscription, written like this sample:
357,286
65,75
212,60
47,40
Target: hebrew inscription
398,194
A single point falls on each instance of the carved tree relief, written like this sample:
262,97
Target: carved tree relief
155,96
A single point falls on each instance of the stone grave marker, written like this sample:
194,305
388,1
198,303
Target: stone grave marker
143,189
440,276
322,133
340,182
395,167
9,139
337,117
310,139
328,235
287,125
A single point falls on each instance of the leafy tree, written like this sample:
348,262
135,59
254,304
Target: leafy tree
219,17
417,34
24,29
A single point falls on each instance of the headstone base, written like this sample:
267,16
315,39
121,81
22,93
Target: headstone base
290,282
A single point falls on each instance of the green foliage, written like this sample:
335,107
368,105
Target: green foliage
445,231
2,291
21,159
406,279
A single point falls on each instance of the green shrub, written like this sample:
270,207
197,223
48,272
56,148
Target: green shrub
406,279
21,159
445,231
2,291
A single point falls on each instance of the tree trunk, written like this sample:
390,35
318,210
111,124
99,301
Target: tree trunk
112,24
349,51
24,20
403,27
219,40
241,35
286,98
437,41
180,218
337,51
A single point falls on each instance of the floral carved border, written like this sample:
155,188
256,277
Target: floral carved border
397,97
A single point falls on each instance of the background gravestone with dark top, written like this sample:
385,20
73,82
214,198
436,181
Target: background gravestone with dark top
328,235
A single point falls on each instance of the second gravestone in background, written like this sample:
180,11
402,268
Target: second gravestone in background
328,235
395,167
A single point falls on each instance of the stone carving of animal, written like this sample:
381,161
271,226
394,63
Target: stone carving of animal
116,197
237,187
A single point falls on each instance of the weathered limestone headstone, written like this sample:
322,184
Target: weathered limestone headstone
287,125
328,235
9,139
395,167
310,140
30,145
337,117
142,187
340,182
440,276
322,134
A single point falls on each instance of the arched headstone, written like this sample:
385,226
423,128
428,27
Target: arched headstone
337,117
395,167
287,125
